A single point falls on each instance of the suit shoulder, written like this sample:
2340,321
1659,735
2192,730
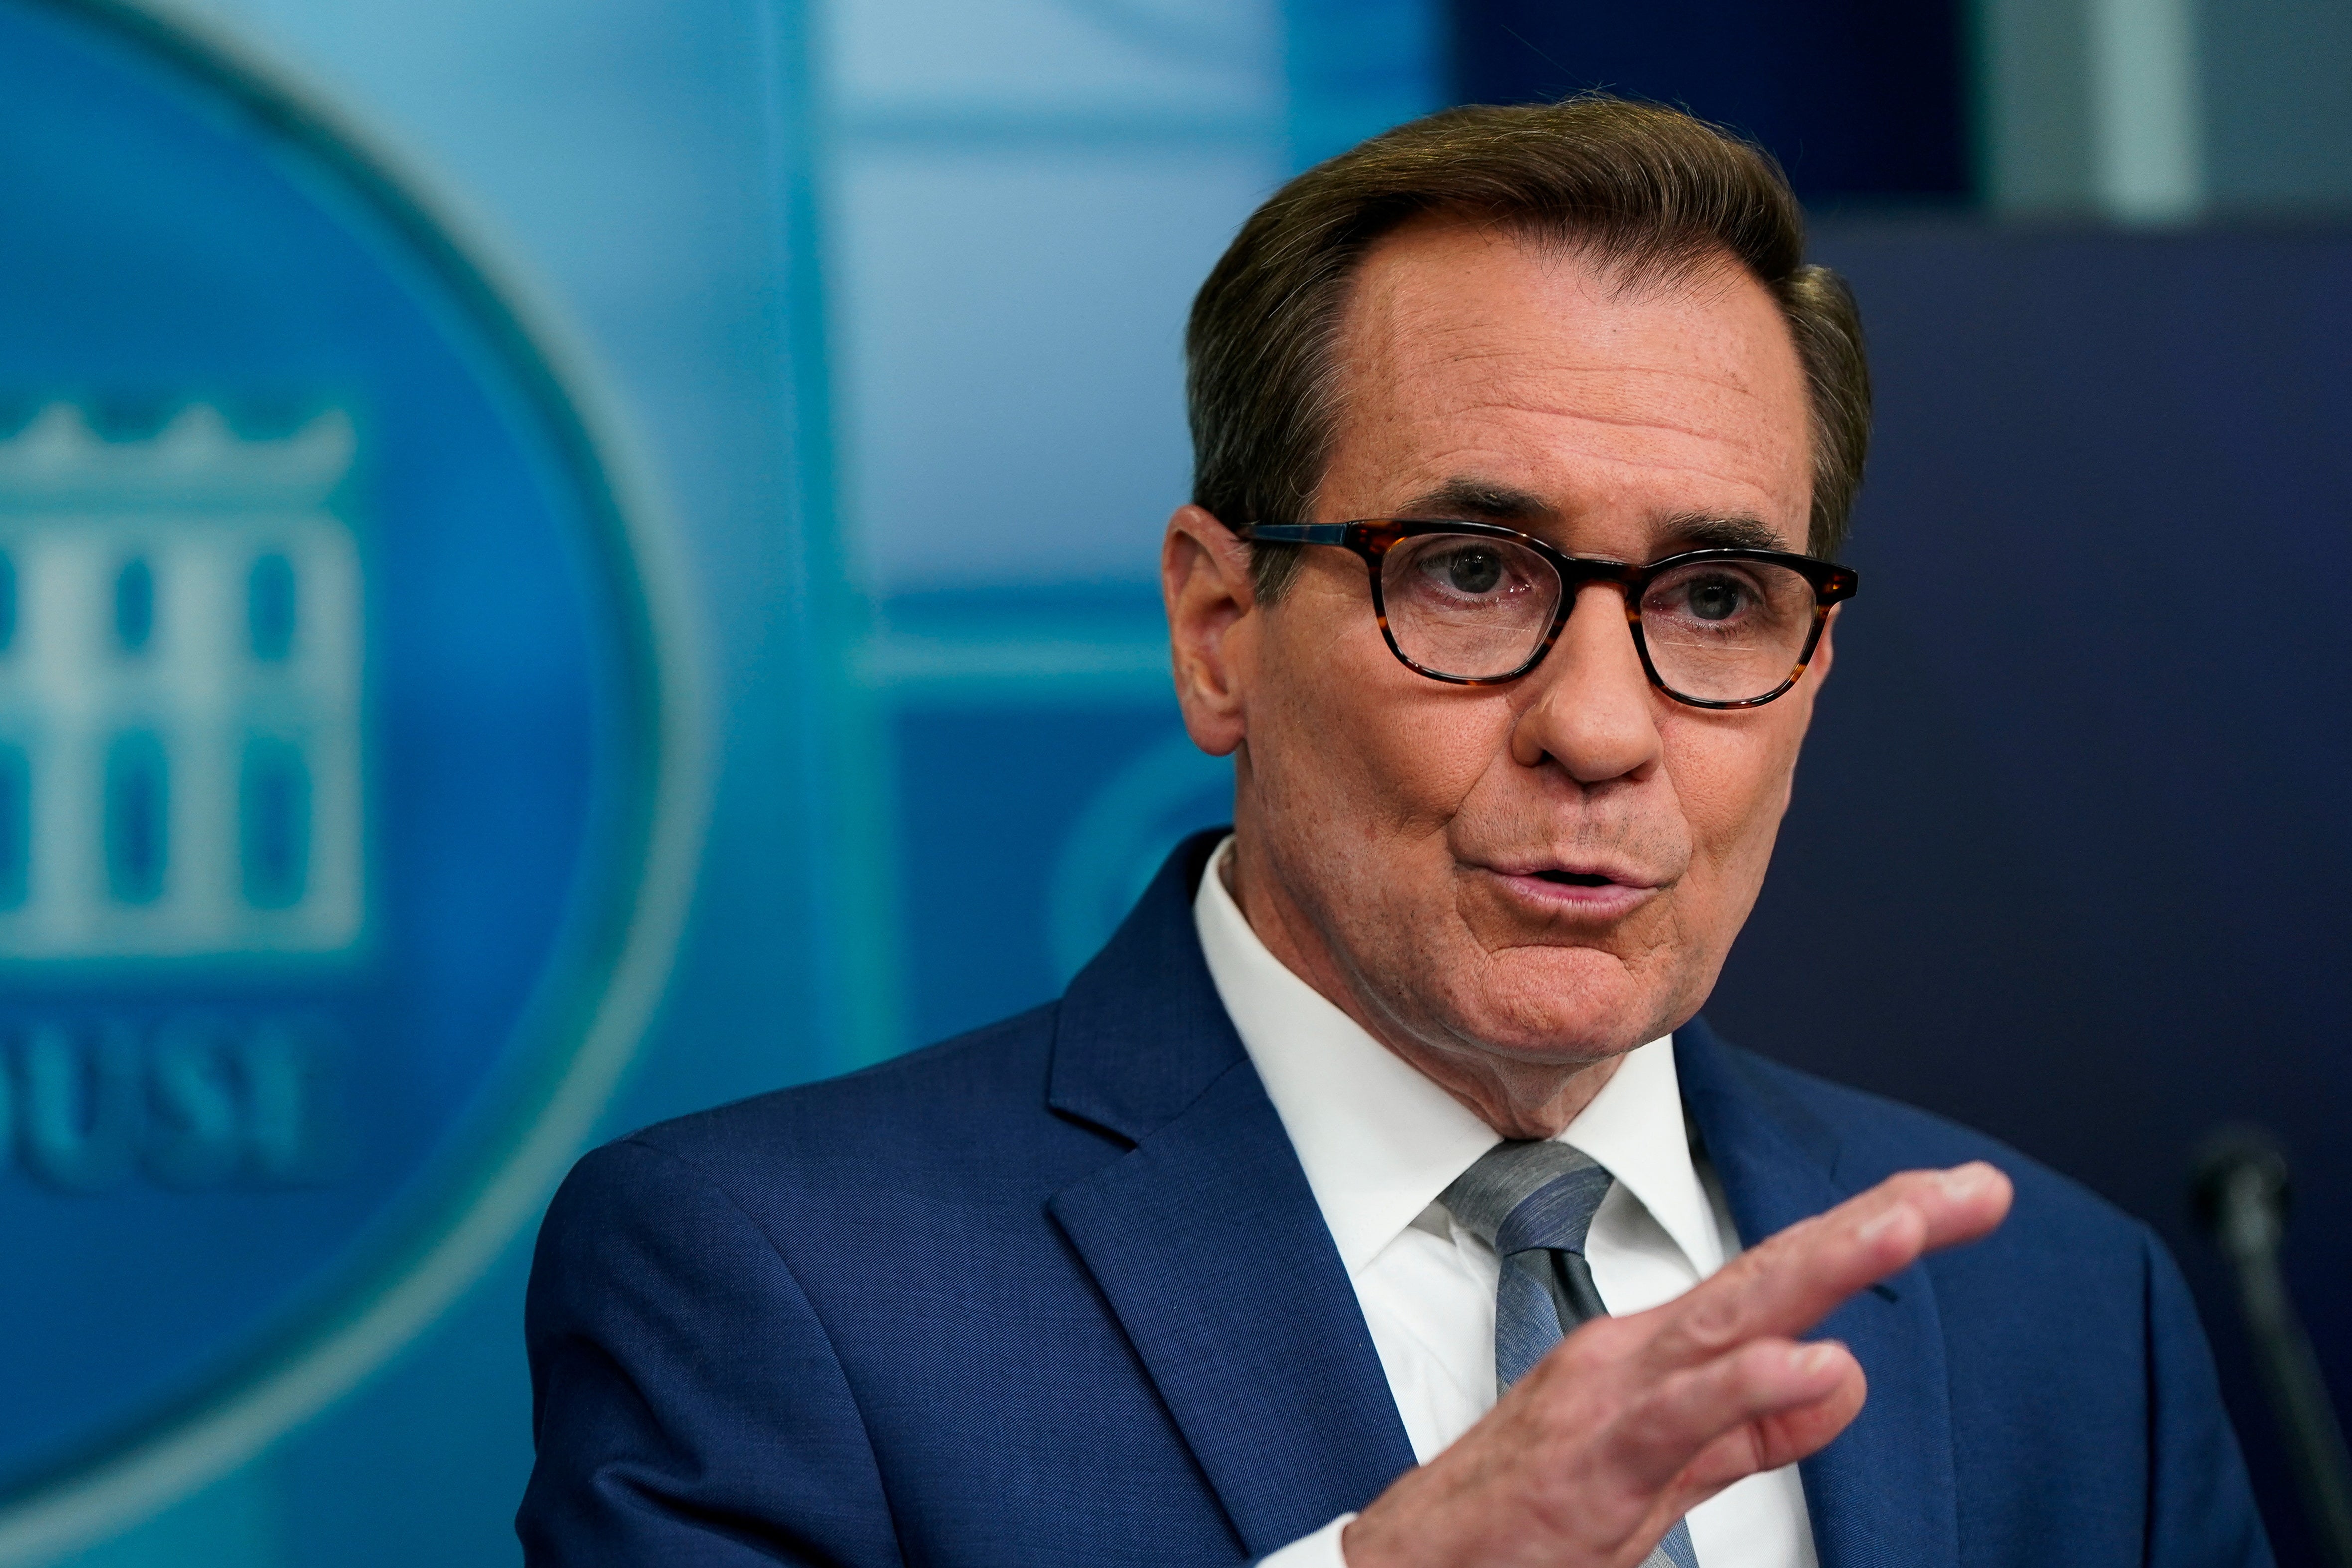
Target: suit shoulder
979,1093
1878,1137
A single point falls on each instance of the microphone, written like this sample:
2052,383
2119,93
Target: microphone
2239,1194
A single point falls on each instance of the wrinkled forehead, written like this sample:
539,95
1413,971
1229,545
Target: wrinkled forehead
1470,355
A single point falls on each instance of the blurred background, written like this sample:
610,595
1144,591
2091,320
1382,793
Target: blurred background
721,649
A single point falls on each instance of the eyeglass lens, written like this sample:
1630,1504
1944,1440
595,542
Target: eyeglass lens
1478,608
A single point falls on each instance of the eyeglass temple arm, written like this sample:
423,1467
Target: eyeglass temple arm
1295,533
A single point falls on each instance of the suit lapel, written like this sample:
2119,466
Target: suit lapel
1209,1249
1885,1490
1206,1240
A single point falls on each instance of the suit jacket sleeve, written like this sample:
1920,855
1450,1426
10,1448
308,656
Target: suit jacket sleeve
686,1406
2201,1507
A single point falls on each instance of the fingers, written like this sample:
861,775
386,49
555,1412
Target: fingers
1785,1286
1730,1391
1768,1403
1960,1204
1772,1441
1591,1461
1632,1421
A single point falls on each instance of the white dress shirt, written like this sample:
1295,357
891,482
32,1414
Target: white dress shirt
1379,1142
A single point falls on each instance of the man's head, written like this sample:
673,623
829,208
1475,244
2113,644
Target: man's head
1588,322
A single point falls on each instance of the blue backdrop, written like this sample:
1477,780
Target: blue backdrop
2067,856
887,316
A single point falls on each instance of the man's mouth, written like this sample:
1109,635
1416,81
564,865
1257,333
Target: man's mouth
1575,878
1575,891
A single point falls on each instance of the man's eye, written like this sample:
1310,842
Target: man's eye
1718,599
1472,572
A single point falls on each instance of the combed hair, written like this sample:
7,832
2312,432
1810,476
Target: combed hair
1645,190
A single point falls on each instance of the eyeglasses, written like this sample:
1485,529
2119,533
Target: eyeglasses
1479,604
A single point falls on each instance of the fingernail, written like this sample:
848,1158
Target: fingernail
1963,1181
1876,1225
1816,1358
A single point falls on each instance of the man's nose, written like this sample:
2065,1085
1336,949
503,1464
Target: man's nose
1592,714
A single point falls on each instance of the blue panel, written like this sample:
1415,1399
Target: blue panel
1858,99
274,820
328,738
1357,66
16,824
270,606
136,804
1036,831
134,605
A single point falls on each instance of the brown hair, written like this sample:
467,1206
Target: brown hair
1646,189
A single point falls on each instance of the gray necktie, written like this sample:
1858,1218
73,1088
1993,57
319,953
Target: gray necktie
1532,1203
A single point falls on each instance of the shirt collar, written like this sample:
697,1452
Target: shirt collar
1379,1141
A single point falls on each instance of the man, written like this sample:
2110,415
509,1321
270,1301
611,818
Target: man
1375,1197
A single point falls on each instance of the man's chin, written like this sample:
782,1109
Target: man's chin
1564,1006
1559,1037
1564,1049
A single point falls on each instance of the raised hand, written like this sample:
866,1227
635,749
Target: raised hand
1632,1422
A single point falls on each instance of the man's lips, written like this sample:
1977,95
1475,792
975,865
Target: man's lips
1576,872
1585,888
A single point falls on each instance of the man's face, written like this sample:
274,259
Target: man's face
1427,848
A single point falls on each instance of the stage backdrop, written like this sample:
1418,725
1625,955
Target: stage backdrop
887,319
2068,854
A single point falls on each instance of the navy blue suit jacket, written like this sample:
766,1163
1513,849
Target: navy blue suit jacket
1056,1292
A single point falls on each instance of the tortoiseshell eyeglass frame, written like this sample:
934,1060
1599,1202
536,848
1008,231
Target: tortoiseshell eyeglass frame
1373,538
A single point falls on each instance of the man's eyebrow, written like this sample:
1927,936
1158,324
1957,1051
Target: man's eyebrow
1479,500
1485,500
1703,531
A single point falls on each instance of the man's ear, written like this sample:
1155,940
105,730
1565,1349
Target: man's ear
1817,670
1205,582
1818,667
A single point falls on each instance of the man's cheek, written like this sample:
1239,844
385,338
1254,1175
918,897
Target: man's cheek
1410,774
1733,783
1748,838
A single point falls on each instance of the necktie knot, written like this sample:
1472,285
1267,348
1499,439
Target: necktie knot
1521,1195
